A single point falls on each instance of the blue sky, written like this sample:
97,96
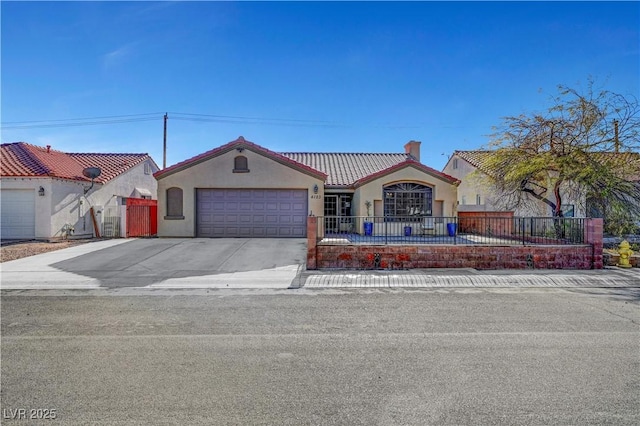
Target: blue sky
300,76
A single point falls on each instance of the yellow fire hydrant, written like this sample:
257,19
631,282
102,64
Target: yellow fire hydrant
625,253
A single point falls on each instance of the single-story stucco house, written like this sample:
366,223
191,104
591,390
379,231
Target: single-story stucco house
46,195
242,189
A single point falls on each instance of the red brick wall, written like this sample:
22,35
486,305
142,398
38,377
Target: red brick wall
453,256
588,256
312,240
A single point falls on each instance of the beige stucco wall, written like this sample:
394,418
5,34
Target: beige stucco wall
471,185
217,172
372,191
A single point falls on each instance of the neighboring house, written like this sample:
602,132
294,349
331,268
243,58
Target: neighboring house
475,196
628,163
244,190
45,194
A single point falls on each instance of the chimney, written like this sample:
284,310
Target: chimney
413,148
48,149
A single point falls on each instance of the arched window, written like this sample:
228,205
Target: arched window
240,164
407,199
174,203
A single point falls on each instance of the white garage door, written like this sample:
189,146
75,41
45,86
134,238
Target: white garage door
18,213
252,213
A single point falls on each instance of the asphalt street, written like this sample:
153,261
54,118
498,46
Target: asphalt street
475,356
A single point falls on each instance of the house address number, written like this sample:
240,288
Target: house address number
316,197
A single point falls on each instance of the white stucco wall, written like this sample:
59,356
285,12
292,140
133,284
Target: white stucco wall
42,203
108,195
65,203
217,172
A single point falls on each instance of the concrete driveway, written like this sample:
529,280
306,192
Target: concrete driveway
163,263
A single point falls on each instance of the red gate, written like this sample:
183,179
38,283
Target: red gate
142,217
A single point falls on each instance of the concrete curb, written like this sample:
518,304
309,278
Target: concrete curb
609,278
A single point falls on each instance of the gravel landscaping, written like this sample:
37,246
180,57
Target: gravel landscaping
17,250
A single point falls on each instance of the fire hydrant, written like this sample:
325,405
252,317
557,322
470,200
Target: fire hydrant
625,253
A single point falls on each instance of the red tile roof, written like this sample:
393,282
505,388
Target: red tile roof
240,143
408,163
355,169
21,159
337,169
345,169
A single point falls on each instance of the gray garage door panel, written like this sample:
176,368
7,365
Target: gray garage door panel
252,213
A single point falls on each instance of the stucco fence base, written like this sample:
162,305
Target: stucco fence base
455,256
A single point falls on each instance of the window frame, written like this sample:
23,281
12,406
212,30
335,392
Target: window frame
413,198
240,164
174,195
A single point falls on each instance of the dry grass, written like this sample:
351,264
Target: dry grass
30,248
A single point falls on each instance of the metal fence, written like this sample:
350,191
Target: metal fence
450,230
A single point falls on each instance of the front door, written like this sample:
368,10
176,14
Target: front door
337,212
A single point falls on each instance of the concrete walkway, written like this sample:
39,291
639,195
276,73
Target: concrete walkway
437,278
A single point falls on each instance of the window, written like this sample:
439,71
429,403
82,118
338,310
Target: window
464,200
568,210
147,168
478,199
455,163
240,164
407,199
174,203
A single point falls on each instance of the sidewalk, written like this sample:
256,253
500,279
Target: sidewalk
441,278
37,272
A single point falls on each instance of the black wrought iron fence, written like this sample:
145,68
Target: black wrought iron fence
450,230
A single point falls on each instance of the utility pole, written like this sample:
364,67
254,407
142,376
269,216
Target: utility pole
616,139
164,146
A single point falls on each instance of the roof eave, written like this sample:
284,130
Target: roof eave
243,144
408,163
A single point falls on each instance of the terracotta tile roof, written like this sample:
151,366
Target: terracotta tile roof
21,159
475,158
408,163
629,162
354,169
344,169
240,143
336,169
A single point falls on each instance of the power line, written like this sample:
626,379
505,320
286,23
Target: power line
221,120
253,118
80,119
194,117
86,123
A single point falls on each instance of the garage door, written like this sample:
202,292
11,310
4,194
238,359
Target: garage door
251,213
18,213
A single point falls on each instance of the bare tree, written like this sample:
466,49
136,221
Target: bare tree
585,144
